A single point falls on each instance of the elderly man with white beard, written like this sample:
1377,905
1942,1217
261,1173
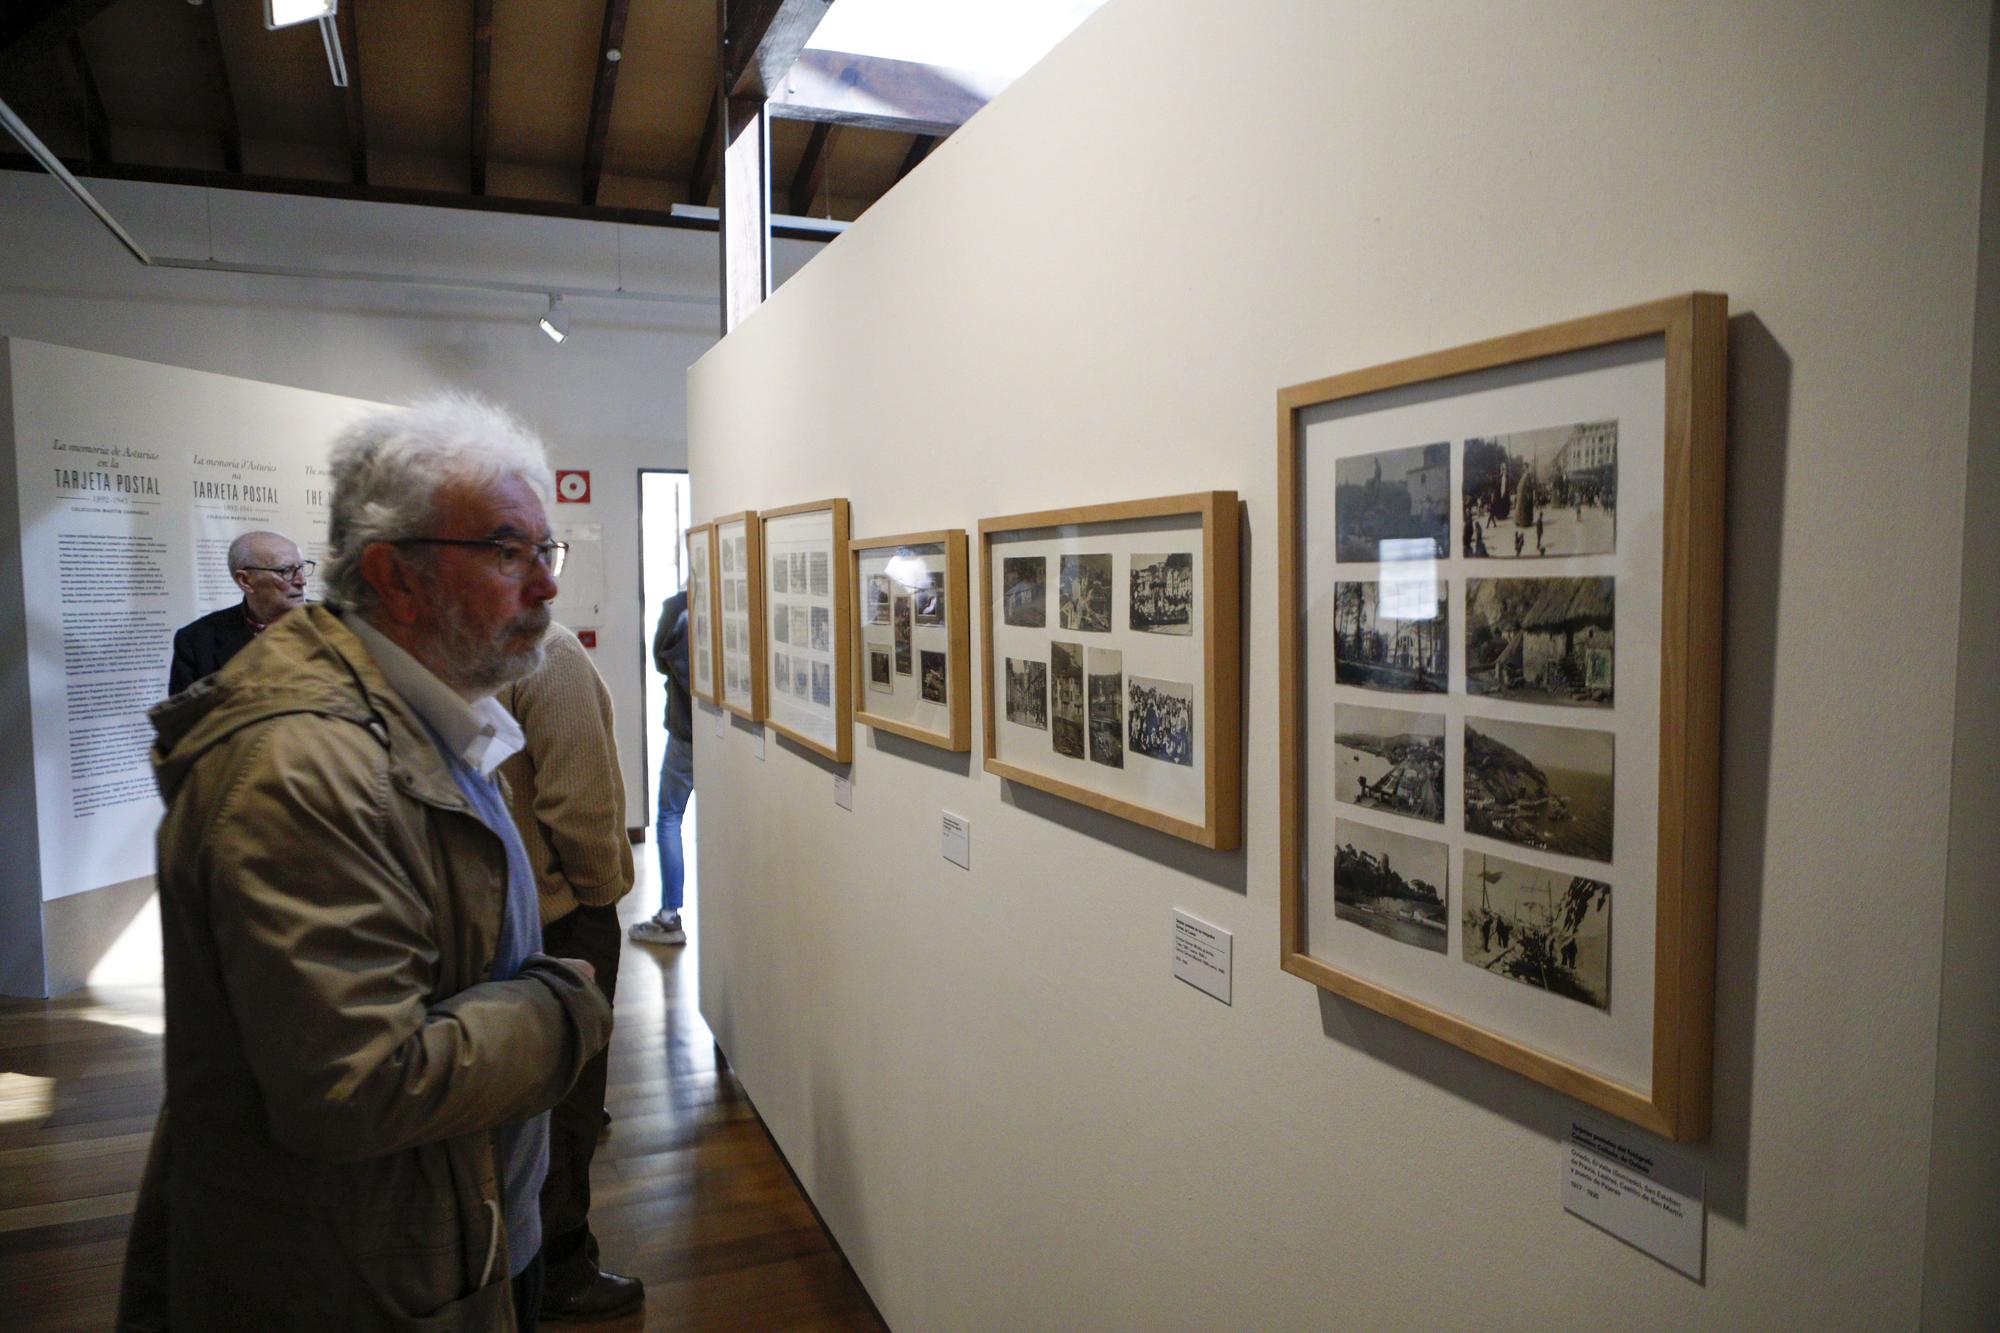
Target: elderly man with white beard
363,1035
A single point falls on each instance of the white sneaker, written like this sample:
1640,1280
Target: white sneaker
659,930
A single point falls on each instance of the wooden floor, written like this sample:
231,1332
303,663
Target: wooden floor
689,1193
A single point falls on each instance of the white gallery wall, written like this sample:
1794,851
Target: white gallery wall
1006,1108
611,399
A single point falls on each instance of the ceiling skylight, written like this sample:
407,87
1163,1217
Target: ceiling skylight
999,37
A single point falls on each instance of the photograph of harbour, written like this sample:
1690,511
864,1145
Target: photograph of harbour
1393,505
1537,927
1391,883
879,678
1105,671
1546,641
1549,788
1390,636
1542,492
1390,760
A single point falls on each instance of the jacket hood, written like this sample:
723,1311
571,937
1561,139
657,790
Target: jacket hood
307,662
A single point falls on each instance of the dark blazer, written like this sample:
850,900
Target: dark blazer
670,658
202,647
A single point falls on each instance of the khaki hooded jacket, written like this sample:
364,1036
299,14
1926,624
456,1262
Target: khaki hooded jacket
336,1054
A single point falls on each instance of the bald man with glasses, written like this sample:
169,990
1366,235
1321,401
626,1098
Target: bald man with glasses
267,567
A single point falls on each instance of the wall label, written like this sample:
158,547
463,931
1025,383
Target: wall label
958,840
1202,955
1652,1199
843,791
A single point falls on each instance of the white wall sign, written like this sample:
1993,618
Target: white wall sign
958,840
843,791
1649,1197
133,480
1203,954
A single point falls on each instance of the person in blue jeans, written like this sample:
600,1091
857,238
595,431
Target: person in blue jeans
670,656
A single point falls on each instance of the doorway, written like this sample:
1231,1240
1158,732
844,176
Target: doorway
665,510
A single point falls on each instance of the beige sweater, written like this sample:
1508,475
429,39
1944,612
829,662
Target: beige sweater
564,787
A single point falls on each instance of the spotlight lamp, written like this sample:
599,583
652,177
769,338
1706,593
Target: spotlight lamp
556,322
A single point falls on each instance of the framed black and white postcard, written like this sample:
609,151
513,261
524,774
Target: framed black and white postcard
1110,659
804,635
1500,584
912,636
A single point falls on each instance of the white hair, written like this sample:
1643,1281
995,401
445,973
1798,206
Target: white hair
247,546
389,467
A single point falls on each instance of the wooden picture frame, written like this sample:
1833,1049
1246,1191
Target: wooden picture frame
740,614
1180,553
901,711
1609,432
704,625
822,718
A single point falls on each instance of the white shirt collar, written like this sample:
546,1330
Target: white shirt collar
483,733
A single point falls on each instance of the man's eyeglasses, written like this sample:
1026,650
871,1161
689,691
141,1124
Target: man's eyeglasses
288,573
514,557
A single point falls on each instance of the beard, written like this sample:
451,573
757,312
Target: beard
485,663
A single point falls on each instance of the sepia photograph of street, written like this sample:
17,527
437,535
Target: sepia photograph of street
1537,927
1162,720
1163,593
730,681
931,674
875,599
798,562
781,673
1393,505
1066,687
780,574
930,598
901,619
1545,641
728,556
800,677
1386,759
1105,688
1028,692
1024,590
1543,787
801,626
822,630
1084,593
1397,646
822,684
1391,883
819,574
742,565
879,678
1542,492
729,594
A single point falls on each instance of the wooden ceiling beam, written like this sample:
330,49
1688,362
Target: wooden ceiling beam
208,36
482,89
701,179
879,94
762,40
30,27
812,168
920,148
96,123
390,194
610,54
353,128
